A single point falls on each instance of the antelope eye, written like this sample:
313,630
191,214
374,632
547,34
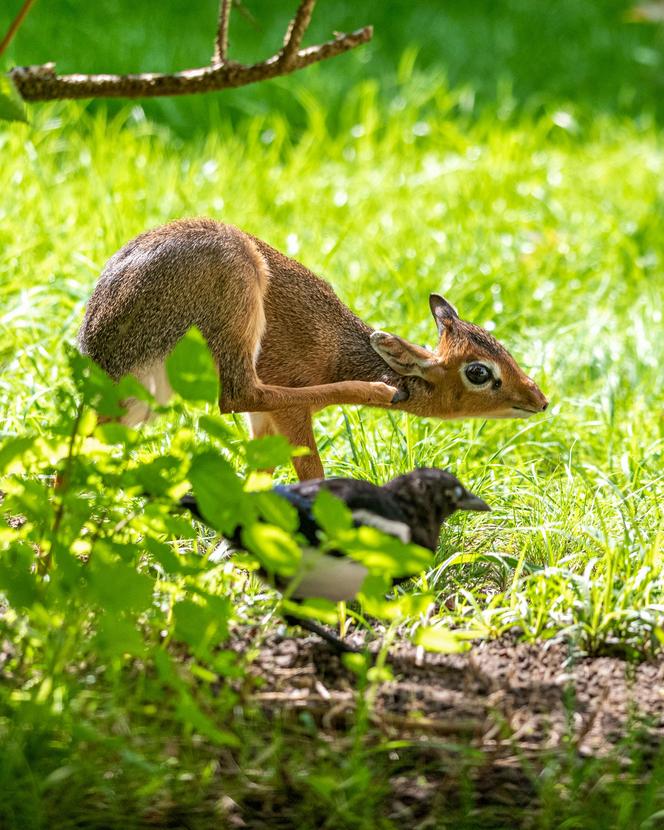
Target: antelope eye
478,373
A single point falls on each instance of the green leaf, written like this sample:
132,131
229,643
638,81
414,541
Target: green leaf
403,607
115,433
276,510
440,640
34,498
13,448
99,391
219,493
117,636
201,626
375,586
380,674
171,562
156,520
227,663
314,608
357,663
117,585
187,709
160,474
331,514
380,552
17,581
276,550
269,451
216,427
191,715
191,369
202,673
12,107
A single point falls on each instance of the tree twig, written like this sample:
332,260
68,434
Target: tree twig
221,42
296,30
14,26
41,83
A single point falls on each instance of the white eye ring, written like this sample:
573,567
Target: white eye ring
490,366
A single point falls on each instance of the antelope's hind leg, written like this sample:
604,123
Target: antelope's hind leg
296,425
155,379
260,425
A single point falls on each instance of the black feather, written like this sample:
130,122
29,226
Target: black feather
420,500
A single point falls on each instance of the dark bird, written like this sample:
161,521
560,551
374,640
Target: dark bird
411,508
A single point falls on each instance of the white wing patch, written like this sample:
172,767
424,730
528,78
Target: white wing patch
223,551
398,529
336,578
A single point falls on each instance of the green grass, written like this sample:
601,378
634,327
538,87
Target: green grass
548,235
535,206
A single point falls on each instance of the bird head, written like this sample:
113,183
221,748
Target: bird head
427,497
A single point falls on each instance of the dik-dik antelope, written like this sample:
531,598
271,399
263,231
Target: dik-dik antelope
284,344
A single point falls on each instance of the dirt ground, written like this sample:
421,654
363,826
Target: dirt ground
536,696
497,714
509,706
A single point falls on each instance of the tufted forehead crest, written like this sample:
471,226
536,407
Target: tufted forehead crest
483,340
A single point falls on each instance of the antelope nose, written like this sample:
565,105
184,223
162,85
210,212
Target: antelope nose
544,405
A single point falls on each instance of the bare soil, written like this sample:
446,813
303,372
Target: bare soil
534,696
494,716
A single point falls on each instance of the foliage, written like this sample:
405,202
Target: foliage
98,569
539,217
12,107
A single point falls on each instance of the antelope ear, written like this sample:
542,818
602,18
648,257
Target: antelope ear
443,312
404,357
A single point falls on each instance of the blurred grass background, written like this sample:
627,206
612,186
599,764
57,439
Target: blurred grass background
516,55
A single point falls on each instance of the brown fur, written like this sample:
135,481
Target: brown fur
284,343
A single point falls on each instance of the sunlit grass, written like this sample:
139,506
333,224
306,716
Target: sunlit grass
547,231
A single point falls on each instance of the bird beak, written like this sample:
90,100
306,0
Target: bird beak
472,502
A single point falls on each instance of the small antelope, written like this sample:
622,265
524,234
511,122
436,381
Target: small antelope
284,344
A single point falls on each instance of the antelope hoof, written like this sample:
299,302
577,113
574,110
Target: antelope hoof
400,395
383,393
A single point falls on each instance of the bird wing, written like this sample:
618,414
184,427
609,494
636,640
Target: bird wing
188,501
303,505
370,505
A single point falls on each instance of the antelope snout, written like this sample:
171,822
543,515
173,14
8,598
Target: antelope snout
538,401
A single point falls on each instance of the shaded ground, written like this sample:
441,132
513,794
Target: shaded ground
495,715
534,696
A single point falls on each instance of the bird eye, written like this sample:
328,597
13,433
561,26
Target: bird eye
478,373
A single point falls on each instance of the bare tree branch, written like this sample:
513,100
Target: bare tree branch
41,83
221,43
14,25
296,30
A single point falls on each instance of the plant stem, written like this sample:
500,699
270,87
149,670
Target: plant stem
15,24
